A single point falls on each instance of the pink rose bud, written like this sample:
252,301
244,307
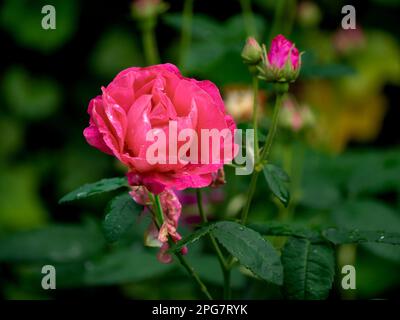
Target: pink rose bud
251,52
282,63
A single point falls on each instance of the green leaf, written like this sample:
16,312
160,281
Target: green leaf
125,265
339,236
276,179
370,215
121,213
281,229
90,189
251,249
309,269
193,237
57,243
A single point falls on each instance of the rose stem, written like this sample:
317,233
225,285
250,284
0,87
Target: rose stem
149,41
182,260
221,259
186,32
264,154
255,117
284,15
248,18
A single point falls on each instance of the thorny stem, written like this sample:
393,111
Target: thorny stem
221,259
159,221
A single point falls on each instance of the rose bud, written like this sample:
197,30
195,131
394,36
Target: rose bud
282,63
251,52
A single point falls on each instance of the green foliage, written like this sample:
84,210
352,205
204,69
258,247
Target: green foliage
280,229
21,207
28,97
11,138
351,198
276,179
371,215
251,249
90,189
121,214
216,46
192,237
55,243
115,51
208,268
23,20
338,236
123,266
309,269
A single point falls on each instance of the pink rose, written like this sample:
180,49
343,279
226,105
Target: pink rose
282,62
281,50
140,100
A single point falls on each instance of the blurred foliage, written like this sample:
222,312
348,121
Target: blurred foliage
114,52
25,27
30,98
344,170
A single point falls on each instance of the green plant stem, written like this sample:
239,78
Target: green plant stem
225,270
186,32
284,15
248,18
194,275
182,260
150,44
250,194
263,157
255,117
272,130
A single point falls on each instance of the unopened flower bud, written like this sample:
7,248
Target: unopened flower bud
282,63
251,52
